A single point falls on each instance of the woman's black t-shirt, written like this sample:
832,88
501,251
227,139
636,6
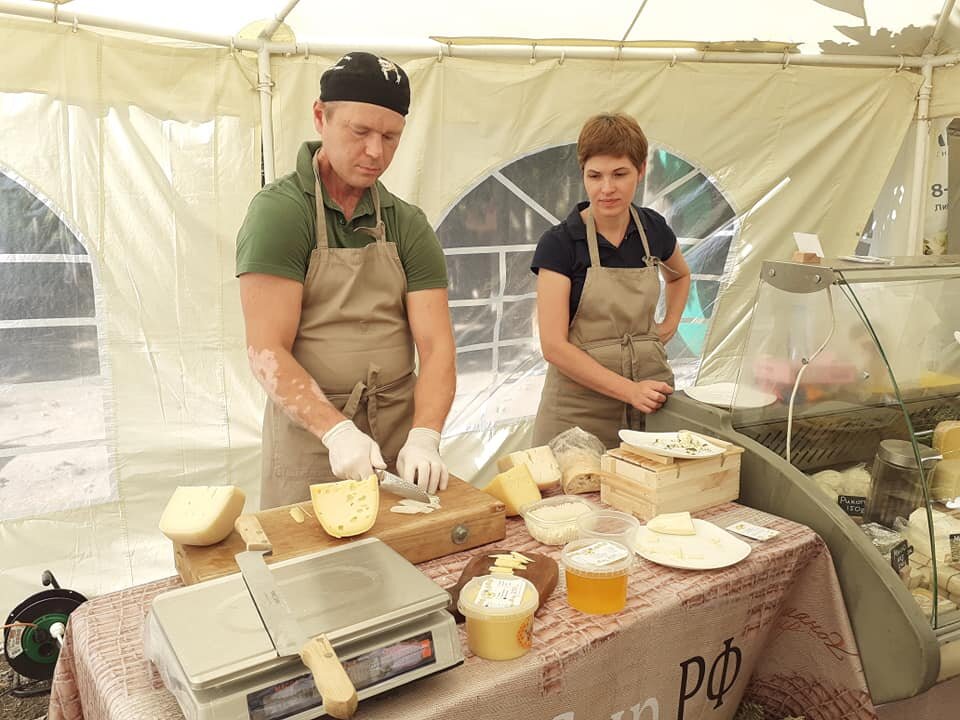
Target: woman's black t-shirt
563,248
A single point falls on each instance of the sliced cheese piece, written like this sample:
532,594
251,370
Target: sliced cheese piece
514,488
510,563
541,463
520,556
496,570
347,507
297,514
672,524
201,514
946,439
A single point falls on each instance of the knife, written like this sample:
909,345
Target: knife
395,485
288,637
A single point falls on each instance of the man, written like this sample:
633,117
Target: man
339,280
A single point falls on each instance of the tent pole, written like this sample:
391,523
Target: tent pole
265,86
934,44
920,162
277,21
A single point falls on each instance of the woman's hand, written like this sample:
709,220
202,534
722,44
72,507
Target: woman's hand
649,395
665,331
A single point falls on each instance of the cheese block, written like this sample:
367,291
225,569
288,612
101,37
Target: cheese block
347,507
514,488
946,438
946,480
541,463
672,524
201,514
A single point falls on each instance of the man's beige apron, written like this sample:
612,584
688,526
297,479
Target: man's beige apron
355,341
614,324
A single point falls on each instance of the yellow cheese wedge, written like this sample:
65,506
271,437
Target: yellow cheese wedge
946,439
347,507
672,524
514,488
540,461
201,514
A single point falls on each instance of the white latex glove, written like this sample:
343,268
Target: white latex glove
353,455
420,458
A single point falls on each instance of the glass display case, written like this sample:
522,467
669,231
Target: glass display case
848,402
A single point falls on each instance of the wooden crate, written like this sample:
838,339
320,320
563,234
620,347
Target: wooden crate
646,484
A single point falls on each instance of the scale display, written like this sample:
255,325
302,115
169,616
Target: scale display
287,698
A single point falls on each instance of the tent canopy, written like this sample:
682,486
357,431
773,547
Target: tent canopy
861,27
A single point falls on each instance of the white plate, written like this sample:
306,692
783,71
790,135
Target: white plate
712,547
648,441
722,395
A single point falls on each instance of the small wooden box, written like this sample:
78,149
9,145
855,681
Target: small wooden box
646,484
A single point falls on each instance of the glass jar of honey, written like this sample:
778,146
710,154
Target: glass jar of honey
596,573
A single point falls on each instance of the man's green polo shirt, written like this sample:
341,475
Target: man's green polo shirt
277,235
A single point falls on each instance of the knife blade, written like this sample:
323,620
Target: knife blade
395,485
287,635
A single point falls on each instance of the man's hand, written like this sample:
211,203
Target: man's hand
353,454
420,458
649,395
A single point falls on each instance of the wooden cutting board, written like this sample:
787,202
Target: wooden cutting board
543,572
469,518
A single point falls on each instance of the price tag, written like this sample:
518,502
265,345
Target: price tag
853,505
501,593
900,556
955,547
600,553
754,532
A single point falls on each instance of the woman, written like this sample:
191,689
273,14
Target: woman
598,283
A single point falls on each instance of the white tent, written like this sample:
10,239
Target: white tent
127,163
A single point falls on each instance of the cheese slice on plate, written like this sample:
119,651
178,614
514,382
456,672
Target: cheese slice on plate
201,514
672,524
514,488
347,507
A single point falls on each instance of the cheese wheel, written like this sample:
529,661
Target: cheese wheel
347,507
201,514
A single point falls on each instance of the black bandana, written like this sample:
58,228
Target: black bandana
366,78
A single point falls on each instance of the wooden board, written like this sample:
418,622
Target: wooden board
542,572
469,518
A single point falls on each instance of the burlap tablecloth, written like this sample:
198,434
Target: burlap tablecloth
771,630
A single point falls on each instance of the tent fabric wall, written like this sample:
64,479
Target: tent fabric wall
150,155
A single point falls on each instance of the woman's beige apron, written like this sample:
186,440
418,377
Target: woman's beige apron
355,341
614,324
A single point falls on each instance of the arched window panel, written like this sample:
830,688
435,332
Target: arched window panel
53,446
489,236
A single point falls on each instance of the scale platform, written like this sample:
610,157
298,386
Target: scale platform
386,620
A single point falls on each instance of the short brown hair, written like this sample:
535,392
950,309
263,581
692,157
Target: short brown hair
614,134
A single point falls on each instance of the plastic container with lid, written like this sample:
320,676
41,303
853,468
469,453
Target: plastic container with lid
553,521
499,615
610,525
596,573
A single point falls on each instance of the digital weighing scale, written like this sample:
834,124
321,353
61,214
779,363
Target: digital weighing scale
386,620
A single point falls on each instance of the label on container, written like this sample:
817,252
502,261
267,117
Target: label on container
599,554
852,505
501,593
900,556
754,532
954,547
14,641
